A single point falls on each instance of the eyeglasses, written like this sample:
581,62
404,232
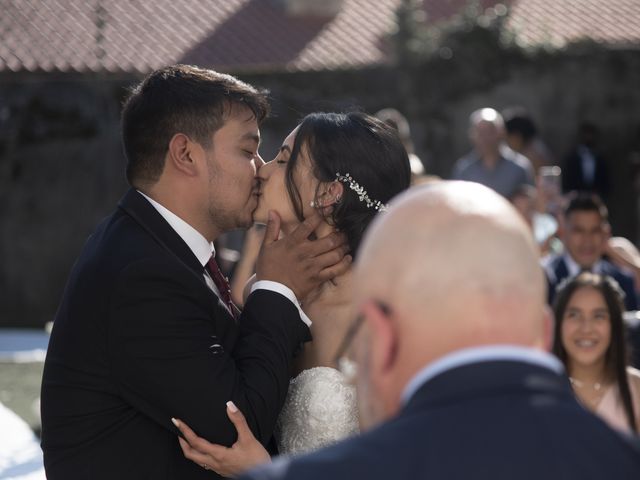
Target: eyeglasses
343,363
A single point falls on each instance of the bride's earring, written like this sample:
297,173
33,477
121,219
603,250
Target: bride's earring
338,199
316,203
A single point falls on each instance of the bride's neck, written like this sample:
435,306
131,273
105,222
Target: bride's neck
323,229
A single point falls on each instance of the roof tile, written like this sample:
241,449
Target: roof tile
140,35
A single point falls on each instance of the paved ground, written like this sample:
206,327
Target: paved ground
21,360
20,390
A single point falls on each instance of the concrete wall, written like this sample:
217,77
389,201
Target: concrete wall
62,170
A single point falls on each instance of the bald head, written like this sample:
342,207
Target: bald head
456,263
486,131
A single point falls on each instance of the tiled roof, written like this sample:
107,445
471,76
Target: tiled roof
141,35
555,22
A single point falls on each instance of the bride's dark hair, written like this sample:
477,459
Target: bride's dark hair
360,145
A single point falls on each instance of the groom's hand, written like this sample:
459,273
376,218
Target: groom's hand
297,262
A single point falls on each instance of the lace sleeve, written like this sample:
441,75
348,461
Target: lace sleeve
320,409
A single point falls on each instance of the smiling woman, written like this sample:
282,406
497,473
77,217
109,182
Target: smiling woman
590,341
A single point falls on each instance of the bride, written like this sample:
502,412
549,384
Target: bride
346,166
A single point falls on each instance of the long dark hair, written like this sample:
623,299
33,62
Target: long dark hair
617,355
358,144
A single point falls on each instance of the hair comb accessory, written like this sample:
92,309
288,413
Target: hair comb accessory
361,192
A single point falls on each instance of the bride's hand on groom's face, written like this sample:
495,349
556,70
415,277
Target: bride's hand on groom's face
246,453
298,262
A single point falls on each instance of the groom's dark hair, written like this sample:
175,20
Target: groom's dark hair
179,99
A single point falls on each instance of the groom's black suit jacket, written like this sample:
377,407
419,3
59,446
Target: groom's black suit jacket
494,420
140,338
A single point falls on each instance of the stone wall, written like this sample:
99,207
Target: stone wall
62,169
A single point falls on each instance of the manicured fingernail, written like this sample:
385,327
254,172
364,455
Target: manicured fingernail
232,406
175,422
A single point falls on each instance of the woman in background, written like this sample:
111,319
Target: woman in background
590,341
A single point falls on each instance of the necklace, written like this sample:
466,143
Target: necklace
589,394
596,386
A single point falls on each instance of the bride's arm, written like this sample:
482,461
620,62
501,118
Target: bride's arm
243,455
244,272
247,287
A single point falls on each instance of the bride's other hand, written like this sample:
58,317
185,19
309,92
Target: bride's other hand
246,453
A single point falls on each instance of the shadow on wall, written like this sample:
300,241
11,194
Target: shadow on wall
62,170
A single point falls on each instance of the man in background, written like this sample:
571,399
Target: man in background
491,162
585,234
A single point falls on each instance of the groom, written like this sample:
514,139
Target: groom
146,330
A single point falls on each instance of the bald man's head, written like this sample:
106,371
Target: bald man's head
456,260
451,265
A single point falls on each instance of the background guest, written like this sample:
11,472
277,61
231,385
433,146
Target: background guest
491,162
399,122
584,168
585,233
522,137
590,341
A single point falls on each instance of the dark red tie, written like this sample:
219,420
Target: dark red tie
222,284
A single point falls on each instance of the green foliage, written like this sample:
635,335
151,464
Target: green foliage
472,34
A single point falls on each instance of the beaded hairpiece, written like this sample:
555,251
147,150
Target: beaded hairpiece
361,192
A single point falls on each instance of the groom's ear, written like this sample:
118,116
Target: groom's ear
182,154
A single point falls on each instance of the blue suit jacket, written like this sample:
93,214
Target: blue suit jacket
556,271
495,420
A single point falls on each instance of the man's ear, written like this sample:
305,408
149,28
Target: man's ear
182,153
383,342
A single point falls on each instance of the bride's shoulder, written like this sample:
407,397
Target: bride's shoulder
320,409
322,392
317,376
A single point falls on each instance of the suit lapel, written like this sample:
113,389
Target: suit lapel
561,271
137,207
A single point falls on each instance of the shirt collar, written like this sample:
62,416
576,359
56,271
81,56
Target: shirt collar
574,269
487,353
200,246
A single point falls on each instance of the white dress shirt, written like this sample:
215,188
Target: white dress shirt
588,162
489,353
574,269
203,250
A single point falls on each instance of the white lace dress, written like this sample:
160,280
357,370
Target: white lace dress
320,409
